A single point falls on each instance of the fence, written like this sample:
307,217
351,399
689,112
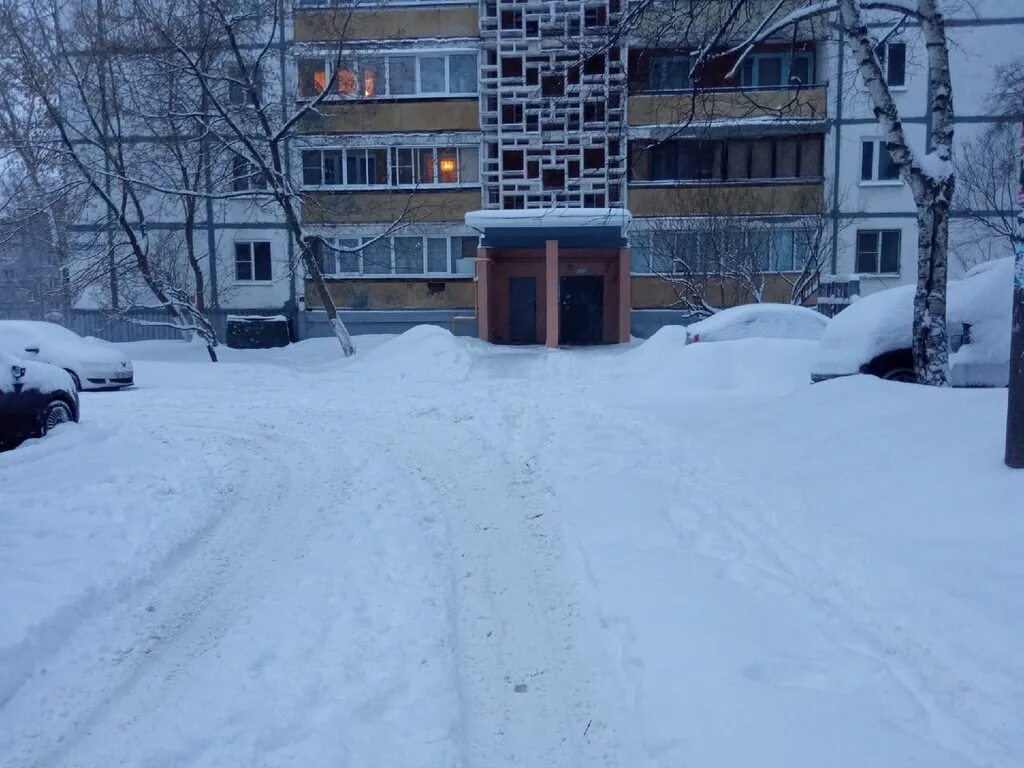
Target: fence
133,325
836,292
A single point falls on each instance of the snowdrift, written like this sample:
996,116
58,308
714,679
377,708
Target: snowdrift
765,366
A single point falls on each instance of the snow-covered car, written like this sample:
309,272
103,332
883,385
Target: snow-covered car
873,335
765,321
34,398
92,364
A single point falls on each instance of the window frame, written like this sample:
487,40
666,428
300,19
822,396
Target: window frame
885,60
644,247
251,259
384,89
878,151
467,156
720,153
879,241
453,254
752,62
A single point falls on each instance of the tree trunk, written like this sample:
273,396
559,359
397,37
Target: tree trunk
930,341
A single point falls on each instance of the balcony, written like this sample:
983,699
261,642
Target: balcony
395,116
384,206
729,106
385,23
766,199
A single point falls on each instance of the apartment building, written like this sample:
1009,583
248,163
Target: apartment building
460,139
445,109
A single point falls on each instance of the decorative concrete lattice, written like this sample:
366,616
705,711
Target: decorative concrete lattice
552,104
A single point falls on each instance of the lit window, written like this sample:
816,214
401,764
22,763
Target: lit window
448,166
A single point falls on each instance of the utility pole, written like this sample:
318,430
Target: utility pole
1015,397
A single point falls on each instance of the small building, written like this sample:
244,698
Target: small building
553,276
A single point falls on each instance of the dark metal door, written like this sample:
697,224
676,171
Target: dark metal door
522,310
581,310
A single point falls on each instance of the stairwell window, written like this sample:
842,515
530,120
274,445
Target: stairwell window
893,58
875,163
252,262
878,251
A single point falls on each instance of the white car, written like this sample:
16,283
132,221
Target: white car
873,335
765,321
92,364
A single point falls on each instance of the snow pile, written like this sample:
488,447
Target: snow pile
769,321
425,352
665,362
984,298
611,556
874,324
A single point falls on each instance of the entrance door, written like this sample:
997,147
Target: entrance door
522,310
581,310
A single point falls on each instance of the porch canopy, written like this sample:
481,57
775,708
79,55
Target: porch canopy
557,275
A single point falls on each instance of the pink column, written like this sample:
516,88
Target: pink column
483,294
551,295
625,295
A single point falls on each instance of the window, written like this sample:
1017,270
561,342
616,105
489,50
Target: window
462,73
400,255
238,93
875,163
773,249
878,251
252,262
893,58
376,76
670,72
245,176
395,167
785,157
775,70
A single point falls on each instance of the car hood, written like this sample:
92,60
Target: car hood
41,377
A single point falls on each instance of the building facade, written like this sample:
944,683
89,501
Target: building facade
441,109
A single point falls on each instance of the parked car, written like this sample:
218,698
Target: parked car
34,398
873,335
92,364
766,321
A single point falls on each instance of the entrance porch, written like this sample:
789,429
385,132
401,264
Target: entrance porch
552,276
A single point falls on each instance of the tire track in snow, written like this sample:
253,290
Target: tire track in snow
532,692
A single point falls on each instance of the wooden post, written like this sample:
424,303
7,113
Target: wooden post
551,294
625,297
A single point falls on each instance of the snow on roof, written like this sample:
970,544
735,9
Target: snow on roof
548,217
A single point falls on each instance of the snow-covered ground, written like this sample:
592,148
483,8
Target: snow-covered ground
443,553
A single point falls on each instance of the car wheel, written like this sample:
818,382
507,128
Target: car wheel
905,375
57,412
74,378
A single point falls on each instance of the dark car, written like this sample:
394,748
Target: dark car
34,398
